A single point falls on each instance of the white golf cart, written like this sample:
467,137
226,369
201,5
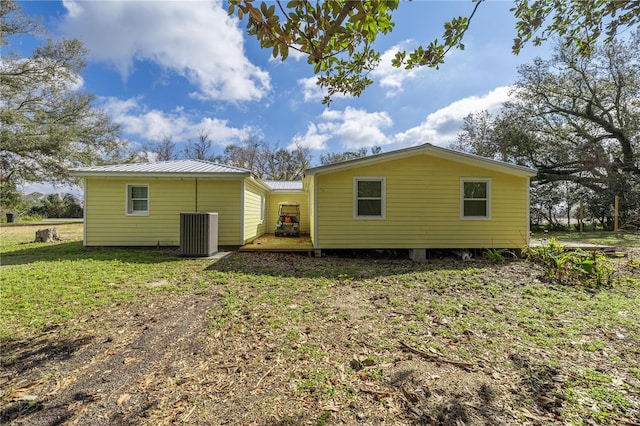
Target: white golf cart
288,220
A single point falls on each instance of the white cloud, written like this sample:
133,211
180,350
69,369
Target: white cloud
195,39
311,139
311,92
391,77
356,128
153,125
442,126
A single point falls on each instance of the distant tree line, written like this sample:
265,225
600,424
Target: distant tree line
265,161
37,204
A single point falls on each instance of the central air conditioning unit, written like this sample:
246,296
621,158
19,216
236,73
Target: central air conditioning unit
198,234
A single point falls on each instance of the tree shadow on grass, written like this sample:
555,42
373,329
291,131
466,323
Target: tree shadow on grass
451,400
61,413
344,265
23,409
23,362
74,250
22,356
538,384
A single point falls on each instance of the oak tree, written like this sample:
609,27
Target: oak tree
48,124
576,120
338,35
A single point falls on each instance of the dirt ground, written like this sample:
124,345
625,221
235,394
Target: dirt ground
159,361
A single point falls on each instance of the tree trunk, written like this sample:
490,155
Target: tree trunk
48,235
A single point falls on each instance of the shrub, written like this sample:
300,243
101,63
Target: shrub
574,267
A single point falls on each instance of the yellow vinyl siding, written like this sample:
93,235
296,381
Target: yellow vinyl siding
309,186
422,208
223,197
253,225
108,225
275,198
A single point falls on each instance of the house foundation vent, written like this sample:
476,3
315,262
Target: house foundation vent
198,234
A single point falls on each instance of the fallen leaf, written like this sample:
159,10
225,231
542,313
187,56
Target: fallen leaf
560,378
28,398
530,415
545,400
411,397
331,407
434,351
123,399
368,362
22,390
617,381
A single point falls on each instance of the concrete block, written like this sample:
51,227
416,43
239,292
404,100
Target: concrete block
418,255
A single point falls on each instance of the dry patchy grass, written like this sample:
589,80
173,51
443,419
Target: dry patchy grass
284,339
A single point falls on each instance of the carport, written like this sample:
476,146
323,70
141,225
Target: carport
271,243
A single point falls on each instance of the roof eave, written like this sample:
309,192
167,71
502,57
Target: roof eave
363,161
439,152
288,191
475,160
80,173
261,184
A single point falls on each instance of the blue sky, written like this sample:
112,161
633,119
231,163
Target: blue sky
163,68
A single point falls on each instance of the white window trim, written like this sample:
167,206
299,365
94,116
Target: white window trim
127,200
473,179
383,197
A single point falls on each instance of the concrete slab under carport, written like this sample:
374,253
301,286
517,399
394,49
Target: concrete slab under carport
271,243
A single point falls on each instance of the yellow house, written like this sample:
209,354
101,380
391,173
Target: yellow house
417,198
140,204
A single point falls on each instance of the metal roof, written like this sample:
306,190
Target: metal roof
429,149
284,185
160,167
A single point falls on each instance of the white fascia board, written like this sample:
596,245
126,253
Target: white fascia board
161,175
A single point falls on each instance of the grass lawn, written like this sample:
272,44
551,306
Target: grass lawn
45,284
608,238
141,336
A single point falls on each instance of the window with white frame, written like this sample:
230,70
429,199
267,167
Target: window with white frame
369,198
475,198
138,200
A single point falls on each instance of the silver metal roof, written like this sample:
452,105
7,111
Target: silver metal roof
174,166
426,148
285,185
